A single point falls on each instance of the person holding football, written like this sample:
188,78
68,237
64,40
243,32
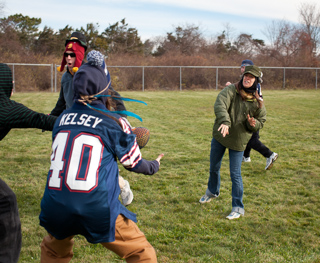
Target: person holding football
81,194
73,58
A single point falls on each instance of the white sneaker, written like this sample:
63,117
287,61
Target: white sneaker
246,159
207,197
233,215
126,194
271,160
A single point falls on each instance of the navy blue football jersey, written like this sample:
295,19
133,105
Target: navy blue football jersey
81,195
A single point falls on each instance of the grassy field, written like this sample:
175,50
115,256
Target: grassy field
282,219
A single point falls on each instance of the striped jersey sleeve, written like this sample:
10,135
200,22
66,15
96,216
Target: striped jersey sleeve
16,115
131,158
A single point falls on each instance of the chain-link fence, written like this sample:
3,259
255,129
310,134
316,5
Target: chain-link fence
44,77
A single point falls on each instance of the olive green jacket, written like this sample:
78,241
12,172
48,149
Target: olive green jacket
232,111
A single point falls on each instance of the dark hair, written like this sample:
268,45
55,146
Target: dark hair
239,86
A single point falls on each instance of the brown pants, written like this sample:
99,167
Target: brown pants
130,244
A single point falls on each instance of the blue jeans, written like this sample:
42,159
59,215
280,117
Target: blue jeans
235,160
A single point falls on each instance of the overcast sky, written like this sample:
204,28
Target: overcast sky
157,17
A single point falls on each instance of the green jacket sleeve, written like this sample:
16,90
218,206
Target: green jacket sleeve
260,116
222,105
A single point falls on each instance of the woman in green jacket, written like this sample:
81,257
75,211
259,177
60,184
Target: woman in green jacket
239,113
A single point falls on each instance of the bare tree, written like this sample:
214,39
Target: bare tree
288,43
310,19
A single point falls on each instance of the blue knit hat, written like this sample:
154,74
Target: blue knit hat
91,80
91,84
246,62
97,59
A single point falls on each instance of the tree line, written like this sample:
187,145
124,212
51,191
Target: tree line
290,45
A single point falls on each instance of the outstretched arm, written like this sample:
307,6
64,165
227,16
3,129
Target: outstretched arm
16,115
147,167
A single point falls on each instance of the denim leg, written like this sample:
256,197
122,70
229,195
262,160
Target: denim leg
236,179
216,155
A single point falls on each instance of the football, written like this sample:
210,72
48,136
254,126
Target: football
142,135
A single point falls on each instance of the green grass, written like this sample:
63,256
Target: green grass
282,219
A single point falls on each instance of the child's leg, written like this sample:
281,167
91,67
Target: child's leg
131,244
126,193
56,251
121,182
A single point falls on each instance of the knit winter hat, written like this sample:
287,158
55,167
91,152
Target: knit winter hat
91,84
96,58
91,80
246,62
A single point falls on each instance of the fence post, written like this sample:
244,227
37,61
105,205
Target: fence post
51,77
217,72
284,78
142,78
180,80
316,79
55,79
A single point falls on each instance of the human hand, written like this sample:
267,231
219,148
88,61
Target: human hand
251,121
228,83
159,158
224,129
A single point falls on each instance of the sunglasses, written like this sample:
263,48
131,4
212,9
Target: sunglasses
73,55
